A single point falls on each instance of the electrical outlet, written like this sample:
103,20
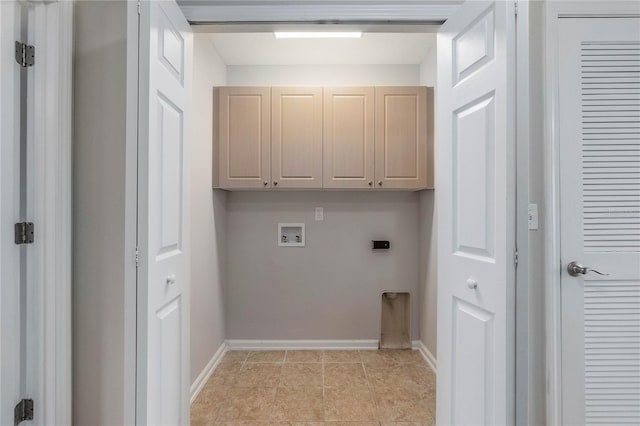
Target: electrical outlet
319,213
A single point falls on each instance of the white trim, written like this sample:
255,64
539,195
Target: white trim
249,345
356,11
204,375
554,12
427,355
49,206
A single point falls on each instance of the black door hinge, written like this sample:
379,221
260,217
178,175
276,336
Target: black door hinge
25,54
24,233
23,411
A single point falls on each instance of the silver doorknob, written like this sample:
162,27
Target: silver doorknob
576,269
472,284
266,182
171,279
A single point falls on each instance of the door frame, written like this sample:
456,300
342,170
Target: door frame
49,206
553,340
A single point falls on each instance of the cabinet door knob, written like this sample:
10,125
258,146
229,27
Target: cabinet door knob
380,183
275,182
266,182
370,183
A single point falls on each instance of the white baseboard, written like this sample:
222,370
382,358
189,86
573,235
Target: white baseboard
427,355
202,378
248,345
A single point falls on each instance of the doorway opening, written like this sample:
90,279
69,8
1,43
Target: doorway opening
316,307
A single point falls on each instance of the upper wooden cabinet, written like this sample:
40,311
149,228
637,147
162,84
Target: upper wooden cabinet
332,138
296,137
242,137
348,137
401,137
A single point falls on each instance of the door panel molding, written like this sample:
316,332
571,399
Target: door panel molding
163,281
476,215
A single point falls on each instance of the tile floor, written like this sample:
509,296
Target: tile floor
367,387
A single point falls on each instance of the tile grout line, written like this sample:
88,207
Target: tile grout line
324,398
371,393
275,396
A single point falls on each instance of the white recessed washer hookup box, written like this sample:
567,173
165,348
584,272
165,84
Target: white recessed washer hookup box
291,235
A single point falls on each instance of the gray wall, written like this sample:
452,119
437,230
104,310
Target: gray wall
101,243
208,214
427,234
428,285
330,289
536,402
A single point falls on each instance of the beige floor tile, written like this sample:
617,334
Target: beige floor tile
419,376
249,423
352,423
259,375
298,404
407,356
402,405
225,374
348,404
207,406
341,356
238,356
266,356
296,424
304,356
306,374
381,377
379,358
204,412
401,424
344,375
360,388
400,376
248,404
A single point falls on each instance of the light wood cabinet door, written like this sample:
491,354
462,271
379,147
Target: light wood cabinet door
348,137
296,134
242,125
401,137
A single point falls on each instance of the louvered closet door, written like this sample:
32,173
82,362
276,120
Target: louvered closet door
599,129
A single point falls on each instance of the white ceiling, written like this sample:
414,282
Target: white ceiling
372,48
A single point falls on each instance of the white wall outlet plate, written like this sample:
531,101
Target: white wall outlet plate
319,213
533,217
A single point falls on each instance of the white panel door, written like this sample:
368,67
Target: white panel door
11,345
475,161
163,277
599,134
